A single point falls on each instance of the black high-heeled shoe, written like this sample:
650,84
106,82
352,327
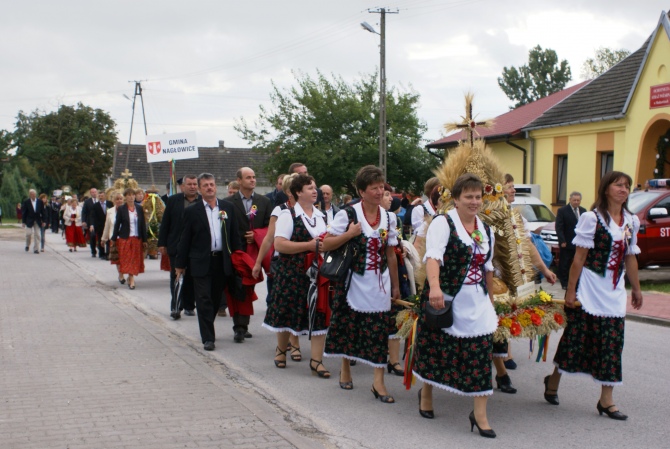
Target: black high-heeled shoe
614,415
386,399
346,385
551,398
325,374
486,433
428,414
392,368
504,384
280,363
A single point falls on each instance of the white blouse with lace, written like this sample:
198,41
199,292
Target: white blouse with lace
474,314
600,295
370,292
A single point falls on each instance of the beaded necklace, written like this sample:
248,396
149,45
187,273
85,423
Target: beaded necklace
377,220
312,223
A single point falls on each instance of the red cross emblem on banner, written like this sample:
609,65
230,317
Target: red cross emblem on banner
154,147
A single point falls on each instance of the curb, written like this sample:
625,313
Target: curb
648,320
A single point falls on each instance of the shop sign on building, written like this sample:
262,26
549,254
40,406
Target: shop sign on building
659,97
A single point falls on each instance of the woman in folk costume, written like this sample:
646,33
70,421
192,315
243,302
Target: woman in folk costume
592,342
359,327
74,234
110,219
298,234
459,250
130,237
268,242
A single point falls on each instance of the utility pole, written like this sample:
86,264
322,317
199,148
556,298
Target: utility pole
138,93
382,83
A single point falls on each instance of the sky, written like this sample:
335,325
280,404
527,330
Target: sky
203,65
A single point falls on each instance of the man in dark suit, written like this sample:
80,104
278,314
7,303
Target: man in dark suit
54,205
87,219
253,212
99,214
330,210
32,217
169,235
278,188
566,221
209,237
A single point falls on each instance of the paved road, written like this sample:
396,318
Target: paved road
153,355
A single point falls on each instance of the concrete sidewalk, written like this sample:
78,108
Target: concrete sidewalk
82,367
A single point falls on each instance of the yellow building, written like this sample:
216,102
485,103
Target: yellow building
614,122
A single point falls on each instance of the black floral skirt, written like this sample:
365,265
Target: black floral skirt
591,345
288,311
358,335
458,365
392,326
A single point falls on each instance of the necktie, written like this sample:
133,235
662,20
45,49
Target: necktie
576,211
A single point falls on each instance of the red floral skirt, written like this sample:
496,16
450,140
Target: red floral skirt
74,236
131,256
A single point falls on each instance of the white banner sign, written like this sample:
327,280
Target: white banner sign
166,147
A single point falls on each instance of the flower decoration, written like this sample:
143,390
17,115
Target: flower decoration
253,211
488,212
223,215
627,234
488,189
445,194
383,235
544,296
478,237
499,188
535,316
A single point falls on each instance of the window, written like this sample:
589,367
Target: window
561,179
606,163
664,204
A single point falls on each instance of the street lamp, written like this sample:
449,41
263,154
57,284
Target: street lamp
382,87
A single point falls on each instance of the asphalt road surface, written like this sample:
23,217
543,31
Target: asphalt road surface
322,412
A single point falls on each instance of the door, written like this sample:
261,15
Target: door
658,235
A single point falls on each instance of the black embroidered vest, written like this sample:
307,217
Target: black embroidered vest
361,241
597,258
456,261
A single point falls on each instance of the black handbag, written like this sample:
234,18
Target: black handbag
337,263
439,319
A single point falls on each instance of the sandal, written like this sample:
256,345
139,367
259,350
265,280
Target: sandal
280,363
346,385
296,355
324,374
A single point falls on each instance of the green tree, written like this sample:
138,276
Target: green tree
13,190
74,145
333,127
604,60
5,158
542,76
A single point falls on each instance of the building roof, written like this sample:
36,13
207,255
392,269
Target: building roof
511,123
606,97
220,161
